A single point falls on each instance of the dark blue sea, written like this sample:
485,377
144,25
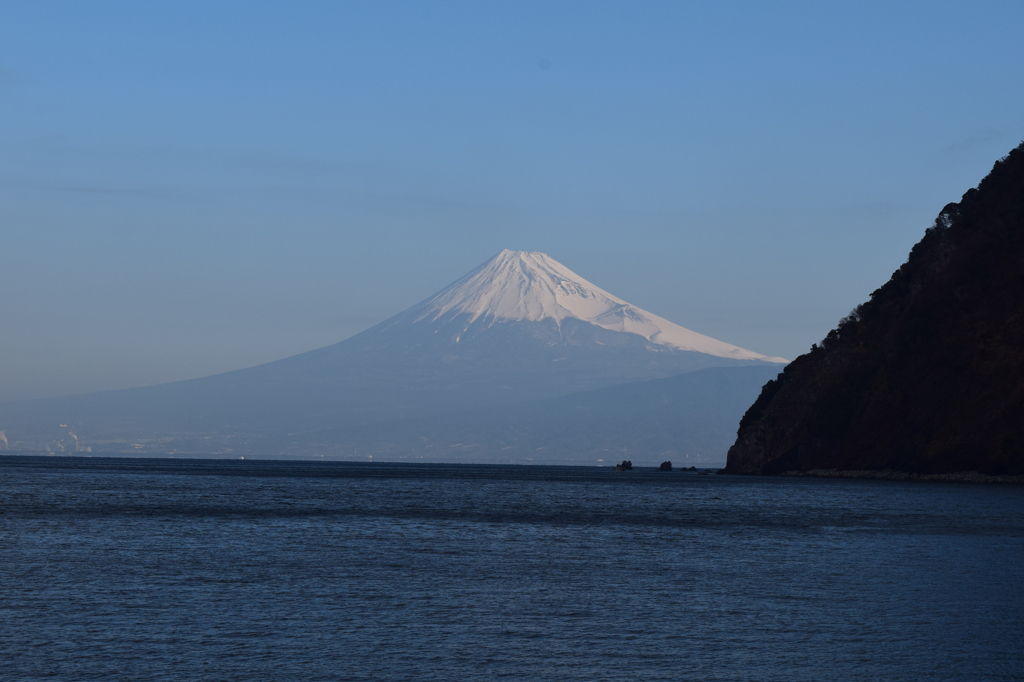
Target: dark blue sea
144,569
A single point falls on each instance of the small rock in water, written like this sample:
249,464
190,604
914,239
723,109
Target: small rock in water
665,466
625,466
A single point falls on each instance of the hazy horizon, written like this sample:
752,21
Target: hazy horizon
187,189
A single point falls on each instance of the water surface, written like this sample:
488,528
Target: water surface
240,570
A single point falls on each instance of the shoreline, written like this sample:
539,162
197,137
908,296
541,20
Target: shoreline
890,475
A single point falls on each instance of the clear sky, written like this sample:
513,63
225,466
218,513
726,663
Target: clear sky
192,187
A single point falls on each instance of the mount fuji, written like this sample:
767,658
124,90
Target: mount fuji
532,287
520,327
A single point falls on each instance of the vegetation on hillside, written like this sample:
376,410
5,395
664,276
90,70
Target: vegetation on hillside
928,375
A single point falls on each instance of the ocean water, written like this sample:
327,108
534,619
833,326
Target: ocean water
134,569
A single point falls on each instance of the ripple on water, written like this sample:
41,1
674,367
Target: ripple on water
162,569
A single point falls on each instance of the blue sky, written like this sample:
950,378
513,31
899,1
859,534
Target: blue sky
187,188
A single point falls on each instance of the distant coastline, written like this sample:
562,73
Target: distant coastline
96,458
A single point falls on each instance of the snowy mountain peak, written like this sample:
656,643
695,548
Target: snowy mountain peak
522,285
532,286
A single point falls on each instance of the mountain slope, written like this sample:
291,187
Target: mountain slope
927,376
520,327
688,419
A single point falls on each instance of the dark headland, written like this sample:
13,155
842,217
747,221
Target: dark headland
925,379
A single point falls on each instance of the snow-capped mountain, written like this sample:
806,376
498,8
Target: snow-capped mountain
529,286
520,327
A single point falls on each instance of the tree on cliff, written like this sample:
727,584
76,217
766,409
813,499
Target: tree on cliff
928,375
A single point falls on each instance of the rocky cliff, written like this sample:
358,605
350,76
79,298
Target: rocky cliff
925,377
